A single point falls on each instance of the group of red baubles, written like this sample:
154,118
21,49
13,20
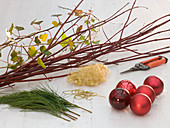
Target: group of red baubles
140,99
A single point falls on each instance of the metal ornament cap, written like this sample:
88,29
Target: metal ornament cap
140,104
146,89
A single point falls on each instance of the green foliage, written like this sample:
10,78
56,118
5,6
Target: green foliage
36,22
92,20
37,41
71,44
19,28
56,15
14,56
43,37
96,42
11,28
40,62
55,23
49,41
40,100
86,42
32,52
19,62
82,37
44,50
65,42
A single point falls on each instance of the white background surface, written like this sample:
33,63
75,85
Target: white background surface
22,12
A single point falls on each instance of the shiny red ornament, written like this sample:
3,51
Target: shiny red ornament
140,104
146,89
119,98
156,83
128,85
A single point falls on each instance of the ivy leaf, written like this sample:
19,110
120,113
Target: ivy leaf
92,20
33,22
49,41
37,41
79,28
13,66
70,42
19,28
36,22
94,30
55,23
40,62
56,15
96,42
63,44
11,28
82,37
21,60
43,37
44,50
86,42
64,36
14,57
32,52
78,12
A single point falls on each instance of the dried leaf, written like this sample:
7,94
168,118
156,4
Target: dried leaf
40,62
78,12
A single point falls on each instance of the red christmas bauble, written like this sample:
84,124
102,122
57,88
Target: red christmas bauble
146,89
119,98
155,83
140,104
128,85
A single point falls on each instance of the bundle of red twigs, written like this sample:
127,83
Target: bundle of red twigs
82,54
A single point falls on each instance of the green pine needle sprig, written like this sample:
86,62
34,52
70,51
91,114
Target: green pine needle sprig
41,99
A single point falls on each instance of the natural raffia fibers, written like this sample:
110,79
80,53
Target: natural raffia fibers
91,75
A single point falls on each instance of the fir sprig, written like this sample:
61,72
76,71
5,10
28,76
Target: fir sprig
41,99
